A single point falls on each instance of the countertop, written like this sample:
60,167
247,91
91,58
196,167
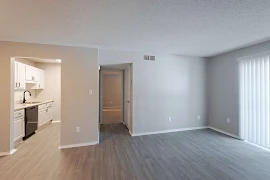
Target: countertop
23,106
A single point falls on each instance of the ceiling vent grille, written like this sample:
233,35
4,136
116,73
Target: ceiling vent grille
149,58
152,58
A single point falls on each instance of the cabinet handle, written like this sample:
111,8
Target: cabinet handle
19,84
16,85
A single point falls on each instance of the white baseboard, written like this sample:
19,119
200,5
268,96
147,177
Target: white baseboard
56,121
168,131
261,147
78,145
224,132
13,151
4,153
8,153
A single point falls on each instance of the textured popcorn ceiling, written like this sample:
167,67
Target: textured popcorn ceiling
186,27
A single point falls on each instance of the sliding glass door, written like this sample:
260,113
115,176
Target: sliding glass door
254,100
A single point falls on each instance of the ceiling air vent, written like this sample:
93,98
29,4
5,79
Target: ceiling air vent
146,57
152,58
149,58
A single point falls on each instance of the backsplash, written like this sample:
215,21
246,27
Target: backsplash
18,96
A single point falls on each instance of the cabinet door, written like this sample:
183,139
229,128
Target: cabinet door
15,75
42,116
31,73
21,76
18,128
41,81
49,114
35,73
28,73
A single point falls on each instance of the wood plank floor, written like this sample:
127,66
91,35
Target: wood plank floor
200,154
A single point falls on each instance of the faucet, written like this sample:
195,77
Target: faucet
24,96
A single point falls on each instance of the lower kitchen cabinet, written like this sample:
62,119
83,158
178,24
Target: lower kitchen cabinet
44,113
19,121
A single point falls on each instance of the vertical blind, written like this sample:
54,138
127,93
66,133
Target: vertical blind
254,100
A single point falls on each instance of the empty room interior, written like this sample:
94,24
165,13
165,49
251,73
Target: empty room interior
135,90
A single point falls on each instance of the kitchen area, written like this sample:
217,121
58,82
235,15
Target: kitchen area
37,96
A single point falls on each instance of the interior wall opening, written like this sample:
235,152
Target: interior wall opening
116,95
112,96
35,96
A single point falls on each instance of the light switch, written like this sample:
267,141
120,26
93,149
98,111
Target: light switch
90,92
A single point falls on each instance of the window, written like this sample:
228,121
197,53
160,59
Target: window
254,99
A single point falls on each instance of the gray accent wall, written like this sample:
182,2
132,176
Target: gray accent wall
222,80
170,86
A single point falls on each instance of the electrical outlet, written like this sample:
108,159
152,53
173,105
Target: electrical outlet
228,120
198,117
170,119
78,129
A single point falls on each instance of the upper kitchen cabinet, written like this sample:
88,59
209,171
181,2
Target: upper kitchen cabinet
19,82
28,75
41,81
31,74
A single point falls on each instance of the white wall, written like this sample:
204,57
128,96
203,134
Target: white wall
52,87
223,87
171,86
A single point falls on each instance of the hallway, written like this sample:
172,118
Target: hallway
111,115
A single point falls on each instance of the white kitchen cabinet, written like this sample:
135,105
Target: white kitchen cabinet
42,117
16,74
41,80
31,74
49,113
19,76
44,113
19,127
25,74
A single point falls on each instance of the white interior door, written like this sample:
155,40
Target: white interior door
100,97
127,97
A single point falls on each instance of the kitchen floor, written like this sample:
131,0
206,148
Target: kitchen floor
200,154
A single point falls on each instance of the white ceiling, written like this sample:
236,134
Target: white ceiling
186,27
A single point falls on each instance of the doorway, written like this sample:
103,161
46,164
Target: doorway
116,95
112,96
36,98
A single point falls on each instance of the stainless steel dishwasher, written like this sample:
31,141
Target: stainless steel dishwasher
31,121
